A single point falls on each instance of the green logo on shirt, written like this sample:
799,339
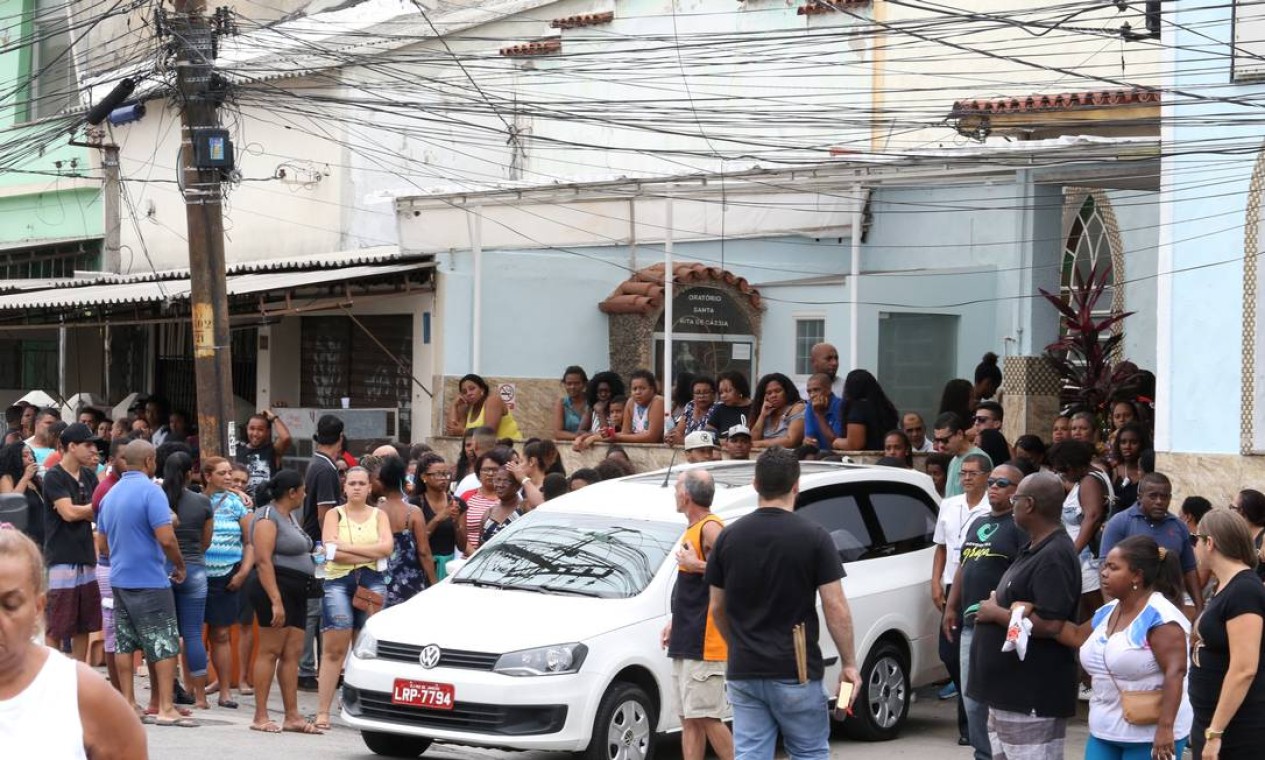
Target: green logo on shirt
986,531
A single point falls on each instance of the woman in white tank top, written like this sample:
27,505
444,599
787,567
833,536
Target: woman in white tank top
50,706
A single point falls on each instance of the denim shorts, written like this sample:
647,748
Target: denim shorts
337,614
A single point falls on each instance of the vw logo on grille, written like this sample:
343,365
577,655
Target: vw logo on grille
429,657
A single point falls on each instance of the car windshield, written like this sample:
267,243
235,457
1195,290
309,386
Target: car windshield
560,553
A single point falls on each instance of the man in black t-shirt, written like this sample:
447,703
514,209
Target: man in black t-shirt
990,544
323,491
1024,721
74,601
765,573
261,455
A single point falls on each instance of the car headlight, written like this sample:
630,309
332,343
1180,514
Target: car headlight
542,661
366,647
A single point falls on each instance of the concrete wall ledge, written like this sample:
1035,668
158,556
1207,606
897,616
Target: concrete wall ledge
645,456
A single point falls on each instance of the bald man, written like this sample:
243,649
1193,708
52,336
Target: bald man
824,358
136,533
1023,721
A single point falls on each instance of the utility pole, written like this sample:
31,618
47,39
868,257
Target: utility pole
203,143
112,258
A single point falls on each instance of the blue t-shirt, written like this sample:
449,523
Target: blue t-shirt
1170,533
834,418
130,513
226,535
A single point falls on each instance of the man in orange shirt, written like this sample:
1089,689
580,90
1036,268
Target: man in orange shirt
693,641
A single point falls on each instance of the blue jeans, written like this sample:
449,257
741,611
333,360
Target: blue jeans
337,612
1101,749
311,641
976,712
190,611
763,707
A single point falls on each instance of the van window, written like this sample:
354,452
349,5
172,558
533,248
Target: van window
907,522
841,516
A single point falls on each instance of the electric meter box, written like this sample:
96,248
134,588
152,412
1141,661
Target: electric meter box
212,149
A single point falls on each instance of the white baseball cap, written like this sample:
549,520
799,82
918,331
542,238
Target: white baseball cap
700,439
738,429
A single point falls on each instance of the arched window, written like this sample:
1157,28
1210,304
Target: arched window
1088,245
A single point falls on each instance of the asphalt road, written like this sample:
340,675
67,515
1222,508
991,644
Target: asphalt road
931,731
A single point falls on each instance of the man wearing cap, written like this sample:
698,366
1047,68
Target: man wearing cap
738,443
323,492
693,641
700,446
74,601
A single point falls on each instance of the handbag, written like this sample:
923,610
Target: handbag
1140,708
367,600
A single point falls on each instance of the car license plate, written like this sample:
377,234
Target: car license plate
423,694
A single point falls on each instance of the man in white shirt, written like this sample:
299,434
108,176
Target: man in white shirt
824,358
916,430
483,440
956,514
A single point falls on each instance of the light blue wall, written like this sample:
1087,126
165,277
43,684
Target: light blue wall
547,301
1137,214
1209,197
968,228
951,250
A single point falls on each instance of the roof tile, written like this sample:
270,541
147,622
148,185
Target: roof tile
820,7
1066,101
546,46
642,293
584,19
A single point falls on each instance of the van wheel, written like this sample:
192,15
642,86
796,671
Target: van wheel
394,745
883,704
624,727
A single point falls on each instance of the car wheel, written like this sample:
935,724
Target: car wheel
883,704
394,745
624,727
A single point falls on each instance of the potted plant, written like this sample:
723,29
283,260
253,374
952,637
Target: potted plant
1082,356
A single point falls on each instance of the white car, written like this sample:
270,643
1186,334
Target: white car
548,637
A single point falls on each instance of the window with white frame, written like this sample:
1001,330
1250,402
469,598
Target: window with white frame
809,331
52,87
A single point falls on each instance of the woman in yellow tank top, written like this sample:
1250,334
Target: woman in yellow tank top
357,540
476,406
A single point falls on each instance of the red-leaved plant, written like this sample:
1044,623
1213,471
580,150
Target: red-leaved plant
1082,356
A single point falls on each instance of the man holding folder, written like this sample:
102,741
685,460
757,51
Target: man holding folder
765,572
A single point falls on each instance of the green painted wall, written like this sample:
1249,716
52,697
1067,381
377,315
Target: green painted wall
36,162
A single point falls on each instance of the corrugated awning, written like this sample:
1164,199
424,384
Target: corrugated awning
155,290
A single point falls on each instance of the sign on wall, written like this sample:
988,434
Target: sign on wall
711,333
1248,53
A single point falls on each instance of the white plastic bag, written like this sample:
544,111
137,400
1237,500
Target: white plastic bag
1017,633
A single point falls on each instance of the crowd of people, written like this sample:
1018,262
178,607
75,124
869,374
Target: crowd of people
1058,561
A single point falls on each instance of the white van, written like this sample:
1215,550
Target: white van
548,638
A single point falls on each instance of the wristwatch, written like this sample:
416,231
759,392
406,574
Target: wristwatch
1212,733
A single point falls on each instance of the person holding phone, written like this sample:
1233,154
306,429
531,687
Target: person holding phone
766,572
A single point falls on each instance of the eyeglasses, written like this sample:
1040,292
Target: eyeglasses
982,420
1195,537
1000,482
970,473
1014,500
943,441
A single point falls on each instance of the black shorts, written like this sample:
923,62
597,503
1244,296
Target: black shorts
293,588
